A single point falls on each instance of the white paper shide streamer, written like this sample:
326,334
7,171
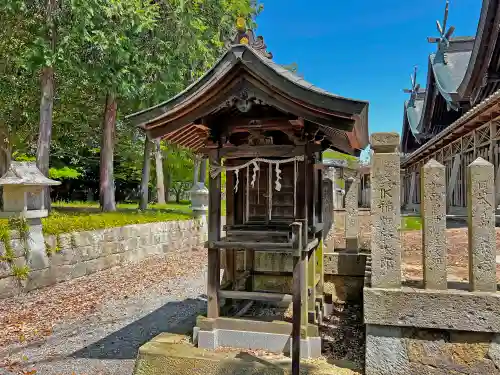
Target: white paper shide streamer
216,169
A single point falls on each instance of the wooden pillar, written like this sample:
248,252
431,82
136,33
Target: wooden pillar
413,180
297,296
452,183
302,215
214,229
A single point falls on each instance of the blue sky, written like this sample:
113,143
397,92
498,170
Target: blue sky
362,49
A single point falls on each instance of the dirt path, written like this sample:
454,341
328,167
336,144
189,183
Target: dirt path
94,325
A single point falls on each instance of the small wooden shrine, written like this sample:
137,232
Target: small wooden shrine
266,128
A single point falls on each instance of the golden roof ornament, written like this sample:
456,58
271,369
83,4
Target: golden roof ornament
247,36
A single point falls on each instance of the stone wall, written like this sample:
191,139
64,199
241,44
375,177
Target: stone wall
84,253
410,351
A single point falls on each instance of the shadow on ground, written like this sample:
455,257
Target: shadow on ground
343,336
177,317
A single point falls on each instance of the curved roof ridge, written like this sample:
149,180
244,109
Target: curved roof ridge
461,120
490,13
231,58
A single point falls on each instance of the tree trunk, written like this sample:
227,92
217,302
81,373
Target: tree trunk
196,171
160,183
46,109
45,130
146,167
178,196
5,155
203,171
168,183
107,182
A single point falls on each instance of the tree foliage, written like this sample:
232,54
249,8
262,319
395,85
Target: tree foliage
142,52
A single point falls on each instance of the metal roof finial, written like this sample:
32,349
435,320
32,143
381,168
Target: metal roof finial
443,40
415,87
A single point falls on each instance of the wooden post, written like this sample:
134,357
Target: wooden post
413,180
214,229
452,183
297,296
303,203
229,254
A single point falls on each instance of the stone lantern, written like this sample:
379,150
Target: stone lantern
199,199
24,180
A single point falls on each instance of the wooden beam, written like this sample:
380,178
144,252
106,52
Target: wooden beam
198,146
214,229
261,151
271,246
193,142
256,296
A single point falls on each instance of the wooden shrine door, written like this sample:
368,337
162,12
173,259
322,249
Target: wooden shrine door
265,203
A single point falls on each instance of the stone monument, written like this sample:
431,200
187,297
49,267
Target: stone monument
21,180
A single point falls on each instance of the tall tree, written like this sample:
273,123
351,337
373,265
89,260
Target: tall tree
114,57
47,97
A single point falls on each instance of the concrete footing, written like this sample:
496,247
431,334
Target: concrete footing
171,354
271,342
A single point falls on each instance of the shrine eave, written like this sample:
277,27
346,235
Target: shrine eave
475,86
243,70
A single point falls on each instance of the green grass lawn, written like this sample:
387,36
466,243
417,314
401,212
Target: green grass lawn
412,223
67,217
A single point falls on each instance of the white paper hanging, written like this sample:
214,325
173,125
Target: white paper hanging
277,183
237,180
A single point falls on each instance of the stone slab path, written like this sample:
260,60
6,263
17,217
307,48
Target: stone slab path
94,325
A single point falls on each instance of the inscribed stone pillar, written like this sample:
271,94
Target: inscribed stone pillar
328,197
481,213
433,211
386,211
336,177
351,213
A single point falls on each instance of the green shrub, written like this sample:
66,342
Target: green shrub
20,272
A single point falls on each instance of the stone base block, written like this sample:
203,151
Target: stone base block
427,308
411,351
271,342
327,309
343,288
171,354
345,263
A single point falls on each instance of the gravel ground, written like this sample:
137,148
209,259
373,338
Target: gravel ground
344,337
104,339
